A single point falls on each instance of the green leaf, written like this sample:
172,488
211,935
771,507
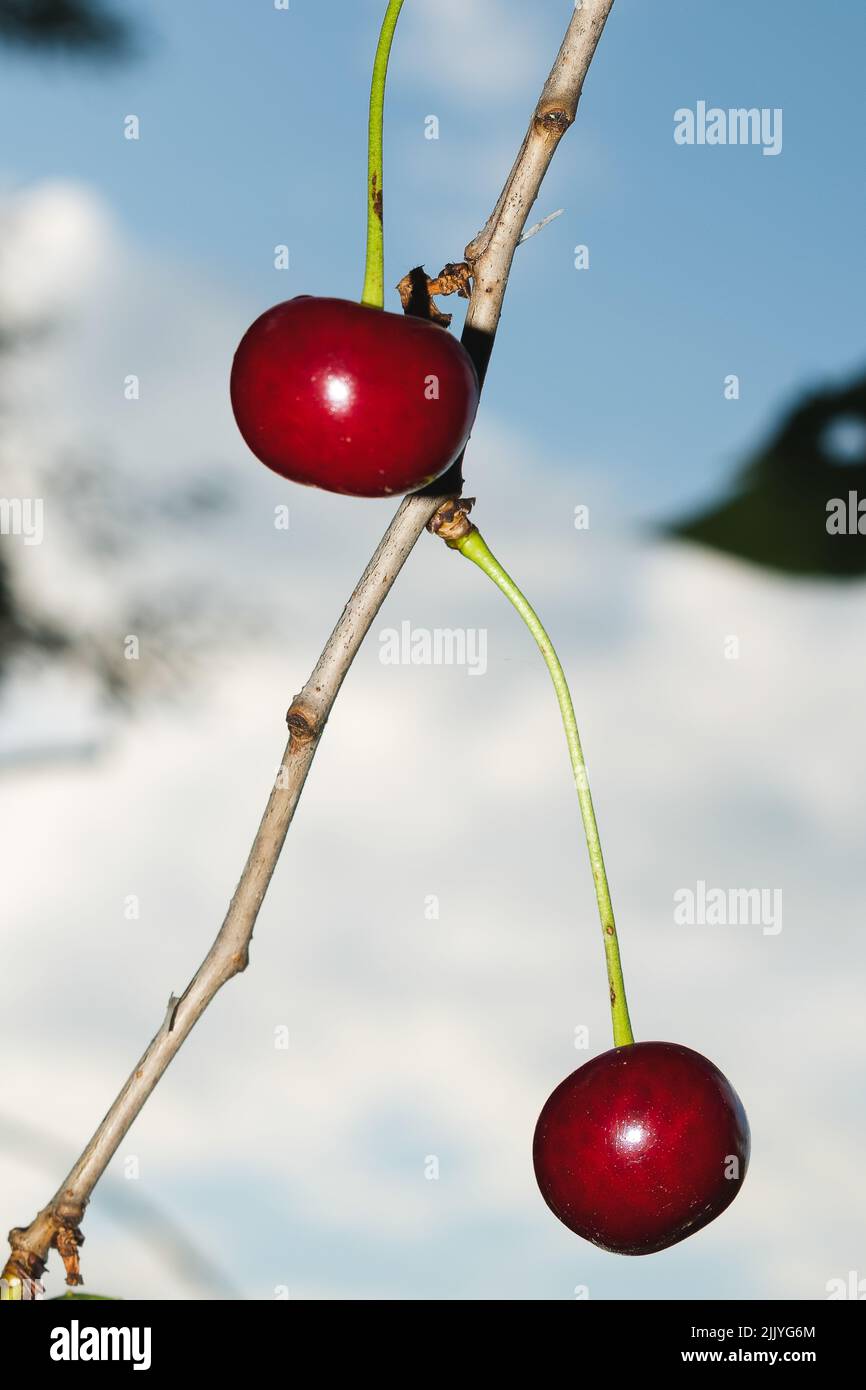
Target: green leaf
778,513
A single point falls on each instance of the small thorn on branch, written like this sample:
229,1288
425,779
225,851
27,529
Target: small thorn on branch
539,225
171,1010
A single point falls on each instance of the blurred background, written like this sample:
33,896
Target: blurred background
668,414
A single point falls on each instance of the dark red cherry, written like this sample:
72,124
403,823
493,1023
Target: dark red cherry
641,1147
352,399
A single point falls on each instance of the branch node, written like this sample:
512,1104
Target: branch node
68,1210
303,723
451,522
554,120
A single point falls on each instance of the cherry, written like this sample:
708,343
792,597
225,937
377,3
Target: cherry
641,1147
350,398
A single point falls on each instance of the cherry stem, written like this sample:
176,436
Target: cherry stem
474,547
374,271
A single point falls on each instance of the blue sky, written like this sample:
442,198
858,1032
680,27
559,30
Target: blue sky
703,261
304,1168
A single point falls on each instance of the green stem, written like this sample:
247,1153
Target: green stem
475,549
374,271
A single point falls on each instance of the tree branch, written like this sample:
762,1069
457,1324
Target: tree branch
489,256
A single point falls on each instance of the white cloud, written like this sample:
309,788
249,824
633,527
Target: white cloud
475,52
55,239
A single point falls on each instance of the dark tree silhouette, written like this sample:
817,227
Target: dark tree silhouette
75,26
79,25
778,516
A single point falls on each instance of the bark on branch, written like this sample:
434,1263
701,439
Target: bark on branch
489,255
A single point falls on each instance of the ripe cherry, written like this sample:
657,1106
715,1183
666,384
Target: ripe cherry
350,398
641,1147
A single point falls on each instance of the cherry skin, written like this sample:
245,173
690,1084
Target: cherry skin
641,1147
352,399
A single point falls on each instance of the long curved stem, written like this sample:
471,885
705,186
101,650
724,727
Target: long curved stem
374,270
474,547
